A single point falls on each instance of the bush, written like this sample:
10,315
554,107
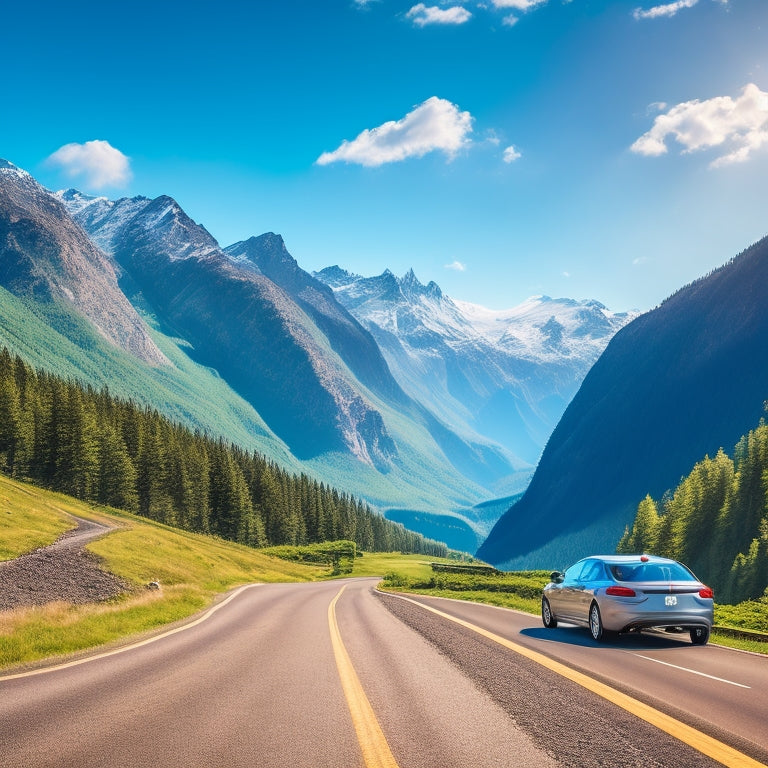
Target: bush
395,579
340,555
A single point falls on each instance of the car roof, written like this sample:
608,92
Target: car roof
618,559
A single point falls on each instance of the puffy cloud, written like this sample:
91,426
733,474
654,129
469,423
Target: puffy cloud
436,124
660,11
739,124
96,162
511,154
423,15
456,266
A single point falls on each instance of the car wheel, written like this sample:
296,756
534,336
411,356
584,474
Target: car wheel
596,628
547,617
699,635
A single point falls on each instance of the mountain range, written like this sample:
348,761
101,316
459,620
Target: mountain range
242,343
507,375
676,384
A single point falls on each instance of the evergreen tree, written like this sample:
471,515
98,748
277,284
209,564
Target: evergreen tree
645,530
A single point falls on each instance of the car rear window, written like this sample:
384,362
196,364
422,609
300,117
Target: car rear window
665,572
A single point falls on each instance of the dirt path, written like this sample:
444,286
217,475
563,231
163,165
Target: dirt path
63,571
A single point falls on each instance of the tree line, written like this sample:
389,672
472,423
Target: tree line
715,521
84,442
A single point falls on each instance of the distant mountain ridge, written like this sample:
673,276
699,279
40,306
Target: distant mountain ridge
507,375
674,385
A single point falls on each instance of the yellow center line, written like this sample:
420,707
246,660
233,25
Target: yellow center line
701,742
373,743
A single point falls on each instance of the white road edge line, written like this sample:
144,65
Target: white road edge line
692,671
207,615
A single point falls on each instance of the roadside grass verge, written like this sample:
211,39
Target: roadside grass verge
520,590
192,571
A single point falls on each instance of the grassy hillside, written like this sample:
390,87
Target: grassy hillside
191,569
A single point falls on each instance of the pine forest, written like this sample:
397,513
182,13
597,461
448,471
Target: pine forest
93,446
715,521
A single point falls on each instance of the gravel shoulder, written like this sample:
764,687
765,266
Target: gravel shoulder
61,572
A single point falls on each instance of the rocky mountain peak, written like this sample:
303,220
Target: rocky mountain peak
675,384
334,276
7,167
267,253
44,253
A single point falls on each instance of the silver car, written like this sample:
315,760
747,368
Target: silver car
609,594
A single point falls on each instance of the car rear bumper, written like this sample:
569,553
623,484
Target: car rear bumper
622,618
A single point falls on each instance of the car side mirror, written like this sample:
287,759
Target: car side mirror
556,577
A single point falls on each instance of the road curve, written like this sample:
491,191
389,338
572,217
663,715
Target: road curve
260,683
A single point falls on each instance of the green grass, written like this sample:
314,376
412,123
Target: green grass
28,519
192,570
520,590
415,567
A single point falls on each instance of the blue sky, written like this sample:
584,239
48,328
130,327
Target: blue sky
504,148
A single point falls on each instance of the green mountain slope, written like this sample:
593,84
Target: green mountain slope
54,338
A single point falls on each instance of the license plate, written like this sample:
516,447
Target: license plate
670,600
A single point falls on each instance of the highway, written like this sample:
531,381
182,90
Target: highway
337,674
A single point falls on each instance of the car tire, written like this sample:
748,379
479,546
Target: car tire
596,628
699,635
547,617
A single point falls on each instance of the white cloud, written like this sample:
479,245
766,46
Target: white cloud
509,21
436,124
665,10
423,15
657,106
511,154
96,162
456,266
518,5
740,125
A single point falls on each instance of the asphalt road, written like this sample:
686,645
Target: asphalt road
291,675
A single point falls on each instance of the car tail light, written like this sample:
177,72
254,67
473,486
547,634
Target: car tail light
620,592
707,593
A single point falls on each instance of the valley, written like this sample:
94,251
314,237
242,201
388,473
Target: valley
248,347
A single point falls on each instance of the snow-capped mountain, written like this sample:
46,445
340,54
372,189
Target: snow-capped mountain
507,375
